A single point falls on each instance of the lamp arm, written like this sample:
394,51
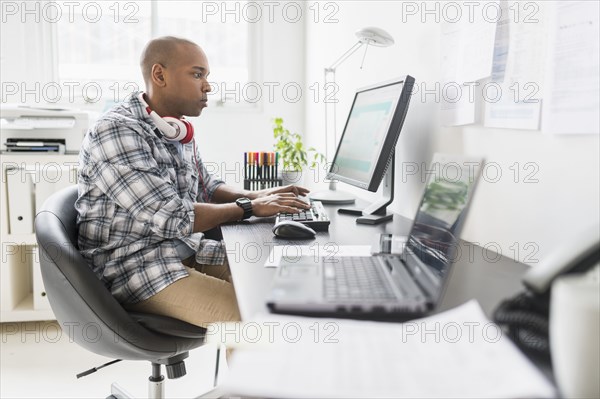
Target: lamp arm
344,56
330,71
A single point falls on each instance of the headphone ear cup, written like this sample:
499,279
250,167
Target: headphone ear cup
184,131
173,129
189,132
169,131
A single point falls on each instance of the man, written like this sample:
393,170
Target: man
145,196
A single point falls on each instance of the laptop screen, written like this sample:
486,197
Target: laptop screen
434,237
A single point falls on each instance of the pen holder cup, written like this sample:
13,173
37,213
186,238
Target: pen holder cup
260,184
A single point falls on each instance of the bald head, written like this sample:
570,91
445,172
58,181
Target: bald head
165,51
176,73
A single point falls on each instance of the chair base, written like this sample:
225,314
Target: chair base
156,384
117,392
156,390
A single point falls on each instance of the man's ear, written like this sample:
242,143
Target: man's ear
158,75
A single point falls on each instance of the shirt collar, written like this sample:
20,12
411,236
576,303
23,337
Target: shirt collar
138,109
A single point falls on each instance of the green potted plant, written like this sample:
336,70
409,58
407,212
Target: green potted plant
293,154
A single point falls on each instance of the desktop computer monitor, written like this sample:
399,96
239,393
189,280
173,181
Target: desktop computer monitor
371,132
365,154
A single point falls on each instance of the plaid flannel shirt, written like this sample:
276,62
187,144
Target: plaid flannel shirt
136,197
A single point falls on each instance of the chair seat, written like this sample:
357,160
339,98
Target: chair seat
79,298
168,325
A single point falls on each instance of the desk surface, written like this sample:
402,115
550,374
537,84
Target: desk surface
477,273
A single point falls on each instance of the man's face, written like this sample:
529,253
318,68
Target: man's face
187,85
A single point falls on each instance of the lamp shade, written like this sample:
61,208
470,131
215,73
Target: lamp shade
374,36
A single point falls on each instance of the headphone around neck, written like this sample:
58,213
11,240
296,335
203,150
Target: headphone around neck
173,129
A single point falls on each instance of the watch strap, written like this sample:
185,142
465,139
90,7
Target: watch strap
246,205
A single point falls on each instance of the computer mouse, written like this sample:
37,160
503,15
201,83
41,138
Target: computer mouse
292,229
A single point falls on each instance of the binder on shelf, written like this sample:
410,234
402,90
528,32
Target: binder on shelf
50,181
40,299
19,187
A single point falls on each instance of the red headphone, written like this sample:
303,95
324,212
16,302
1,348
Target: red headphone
173,129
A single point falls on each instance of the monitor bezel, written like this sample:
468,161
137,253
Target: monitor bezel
391,138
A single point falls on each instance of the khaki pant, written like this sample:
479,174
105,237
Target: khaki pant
205,296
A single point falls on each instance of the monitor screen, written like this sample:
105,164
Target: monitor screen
370,134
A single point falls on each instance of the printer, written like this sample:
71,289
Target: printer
26,128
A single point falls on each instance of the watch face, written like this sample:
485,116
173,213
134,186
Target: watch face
246,205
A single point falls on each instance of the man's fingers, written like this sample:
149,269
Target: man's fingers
300,191
303,191
297,190
286,195
291,197
301,204
296,203
291,190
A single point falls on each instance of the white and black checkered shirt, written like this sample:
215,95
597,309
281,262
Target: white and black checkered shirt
136,196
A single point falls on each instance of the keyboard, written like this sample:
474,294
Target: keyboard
316,218
355,277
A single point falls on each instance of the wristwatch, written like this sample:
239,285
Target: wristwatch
246,205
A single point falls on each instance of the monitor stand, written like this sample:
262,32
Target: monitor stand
377,212
332,196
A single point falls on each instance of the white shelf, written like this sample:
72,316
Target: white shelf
24,312
16,281
40,157
20,239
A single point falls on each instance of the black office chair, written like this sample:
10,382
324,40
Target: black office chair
90,314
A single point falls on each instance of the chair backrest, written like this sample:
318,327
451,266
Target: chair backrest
84,307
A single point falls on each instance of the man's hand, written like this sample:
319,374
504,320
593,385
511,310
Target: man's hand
296,190
273,204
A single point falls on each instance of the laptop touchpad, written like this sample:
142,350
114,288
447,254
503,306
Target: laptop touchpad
299,266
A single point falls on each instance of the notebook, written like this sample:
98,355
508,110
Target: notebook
387,286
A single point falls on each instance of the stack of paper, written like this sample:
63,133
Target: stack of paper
458,353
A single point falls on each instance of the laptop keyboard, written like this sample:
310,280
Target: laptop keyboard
355,277
315,217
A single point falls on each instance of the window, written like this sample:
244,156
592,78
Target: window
99,45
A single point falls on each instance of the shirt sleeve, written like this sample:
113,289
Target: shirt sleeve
121,164
208,182
211,252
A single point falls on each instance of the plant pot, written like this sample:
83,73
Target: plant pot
292,177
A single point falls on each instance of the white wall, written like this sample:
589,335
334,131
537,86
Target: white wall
544,213
536,216
412,54
223,135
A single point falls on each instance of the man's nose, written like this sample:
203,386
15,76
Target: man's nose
207,88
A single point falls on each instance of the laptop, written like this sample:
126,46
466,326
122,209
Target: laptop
387,286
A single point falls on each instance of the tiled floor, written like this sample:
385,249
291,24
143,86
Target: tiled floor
38,361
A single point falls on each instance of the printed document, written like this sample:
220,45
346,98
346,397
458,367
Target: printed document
458,353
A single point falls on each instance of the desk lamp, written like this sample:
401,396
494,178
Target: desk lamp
370,36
